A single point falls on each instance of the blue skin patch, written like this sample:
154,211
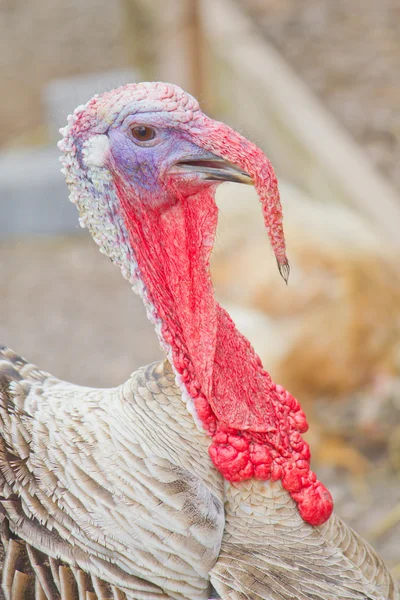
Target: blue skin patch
145,164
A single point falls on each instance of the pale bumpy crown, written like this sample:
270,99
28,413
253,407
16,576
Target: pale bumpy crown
84,146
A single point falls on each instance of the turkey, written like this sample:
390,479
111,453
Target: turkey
192,478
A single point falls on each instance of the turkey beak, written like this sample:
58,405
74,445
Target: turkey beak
213,168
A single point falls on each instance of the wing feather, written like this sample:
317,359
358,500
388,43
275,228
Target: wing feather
91,480
269,553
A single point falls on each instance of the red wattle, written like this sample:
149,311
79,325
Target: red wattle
255,425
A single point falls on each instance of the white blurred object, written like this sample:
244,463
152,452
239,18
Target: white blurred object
336,327
62,95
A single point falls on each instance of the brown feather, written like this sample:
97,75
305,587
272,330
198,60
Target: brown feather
44,576
23,587
13,554
39,592
68,586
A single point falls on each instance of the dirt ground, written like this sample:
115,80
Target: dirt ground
67,309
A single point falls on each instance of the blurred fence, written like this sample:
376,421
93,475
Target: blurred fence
213,49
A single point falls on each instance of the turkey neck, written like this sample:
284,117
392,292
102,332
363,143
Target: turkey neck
255,425
172,242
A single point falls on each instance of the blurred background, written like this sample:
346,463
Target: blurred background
316,84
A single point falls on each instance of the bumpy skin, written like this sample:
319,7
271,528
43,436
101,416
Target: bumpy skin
159,227
110,494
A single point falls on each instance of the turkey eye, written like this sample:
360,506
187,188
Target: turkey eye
143,133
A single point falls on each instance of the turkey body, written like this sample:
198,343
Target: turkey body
110,494
97,479
120,494
269,553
